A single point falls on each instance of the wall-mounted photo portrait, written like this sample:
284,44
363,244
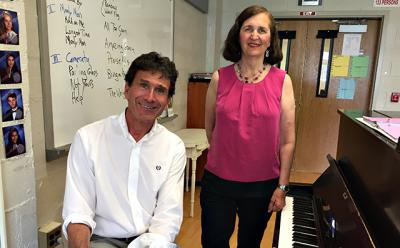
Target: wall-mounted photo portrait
9,28
14,140
10,67
11,104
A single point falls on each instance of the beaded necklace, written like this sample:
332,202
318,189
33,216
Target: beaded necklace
246,79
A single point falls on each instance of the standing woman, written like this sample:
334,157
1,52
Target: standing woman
249,121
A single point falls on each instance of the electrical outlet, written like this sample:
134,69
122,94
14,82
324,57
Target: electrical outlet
49,235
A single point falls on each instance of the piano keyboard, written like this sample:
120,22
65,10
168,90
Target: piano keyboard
297,225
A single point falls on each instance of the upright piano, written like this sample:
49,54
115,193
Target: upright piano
355,202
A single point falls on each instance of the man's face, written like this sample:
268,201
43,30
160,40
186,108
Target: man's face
147,96
12,102
7,22
10,61
14,137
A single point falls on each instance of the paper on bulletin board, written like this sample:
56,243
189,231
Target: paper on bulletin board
351,44
346,89
340,66
359,66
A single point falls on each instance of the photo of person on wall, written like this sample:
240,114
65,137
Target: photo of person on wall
12,105
9,28
14,140
10,67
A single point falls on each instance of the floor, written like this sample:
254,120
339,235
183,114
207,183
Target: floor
190,234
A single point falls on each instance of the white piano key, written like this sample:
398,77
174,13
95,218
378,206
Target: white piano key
286,224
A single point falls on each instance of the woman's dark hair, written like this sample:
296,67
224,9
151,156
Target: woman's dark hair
232,50
14,68
12,130
154,62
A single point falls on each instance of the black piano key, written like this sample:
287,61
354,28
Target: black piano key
304,230
311,239
304,238
300,245
302,206
303,222
302,201
305,201
302,209
304,215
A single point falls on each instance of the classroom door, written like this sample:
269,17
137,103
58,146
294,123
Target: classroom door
317,121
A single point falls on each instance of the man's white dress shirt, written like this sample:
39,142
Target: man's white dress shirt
123,188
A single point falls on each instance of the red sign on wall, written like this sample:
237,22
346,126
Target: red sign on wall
386,3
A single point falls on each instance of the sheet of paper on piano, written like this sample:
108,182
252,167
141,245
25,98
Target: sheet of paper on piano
390,127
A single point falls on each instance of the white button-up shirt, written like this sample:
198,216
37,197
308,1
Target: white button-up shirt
123,188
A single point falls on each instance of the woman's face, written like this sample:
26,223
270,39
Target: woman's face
10,61
255,35
14,137
7,23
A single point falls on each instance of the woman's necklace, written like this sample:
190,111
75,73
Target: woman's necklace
252,79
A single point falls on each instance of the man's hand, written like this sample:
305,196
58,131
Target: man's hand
277,201
78,235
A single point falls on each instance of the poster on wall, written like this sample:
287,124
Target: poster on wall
10,67
351,44
14,140
9,28
11,104
346,89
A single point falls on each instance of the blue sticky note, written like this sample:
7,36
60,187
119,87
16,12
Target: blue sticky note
346,89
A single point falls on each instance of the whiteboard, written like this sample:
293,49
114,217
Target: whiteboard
86,49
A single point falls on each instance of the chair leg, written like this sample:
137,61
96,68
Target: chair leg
187,175
193,187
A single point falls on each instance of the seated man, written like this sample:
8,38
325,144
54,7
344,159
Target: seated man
124,181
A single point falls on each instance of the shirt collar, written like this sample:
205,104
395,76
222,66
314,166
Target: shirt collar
125,131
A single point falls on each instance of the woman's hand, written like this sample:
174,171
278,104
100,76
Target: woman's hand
277,201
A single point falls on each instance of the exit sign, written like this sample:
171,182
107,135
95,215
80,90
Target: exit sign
386,3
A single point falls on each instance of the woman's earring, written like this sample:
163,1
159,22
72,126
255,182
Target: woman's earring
267,53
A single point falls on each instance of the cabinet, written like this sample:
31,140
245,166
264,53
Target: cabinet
196,99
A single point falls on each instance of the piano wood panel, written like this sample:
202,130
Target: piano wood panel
372,166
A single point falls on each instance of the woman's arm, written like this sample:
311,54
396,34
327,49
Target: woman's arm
287,130
287,142
211,98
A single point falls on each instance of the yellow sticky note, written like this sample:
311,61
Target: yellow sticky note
340,66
